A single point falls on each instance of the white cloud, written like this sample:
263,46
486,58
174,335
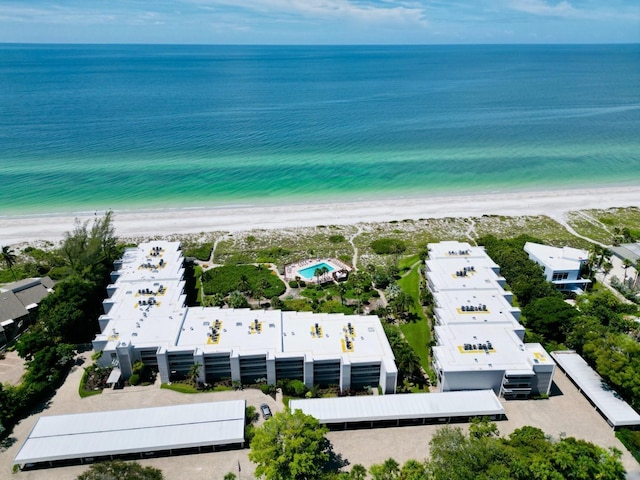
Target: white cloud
541,7
388,12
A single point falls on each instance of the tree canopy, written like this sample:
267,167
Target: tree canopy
91,250
289,446
526,454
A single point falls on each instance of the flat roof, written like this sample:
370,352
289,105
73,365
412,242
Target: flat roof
146,308
475,307
147,304
158,259
144,318
248,331
486,348
400,406
617,412
119,432
455,249
460,273
566,258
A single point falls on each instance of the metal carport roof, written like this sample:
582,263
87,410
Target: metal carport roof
401,406
119,432
617,412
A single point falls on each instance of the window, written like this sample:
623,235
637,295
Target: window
559,276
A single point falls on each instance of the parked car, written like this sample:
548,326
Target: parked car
266,411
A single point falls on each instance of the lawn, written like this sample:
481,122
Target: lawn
418,332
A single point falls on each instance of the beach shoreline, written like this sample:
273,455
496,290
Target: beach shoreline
191,220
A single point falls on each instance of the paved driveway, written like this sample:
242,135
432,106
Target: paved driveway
568,414
11,368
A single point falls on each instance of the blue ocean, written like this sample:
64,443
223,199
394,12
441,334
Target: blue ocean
91,127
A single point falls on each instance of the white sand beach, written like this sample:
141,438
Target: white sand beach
150,223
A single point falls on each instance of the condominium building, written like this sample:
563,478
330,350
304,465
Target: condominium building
146,320
478,334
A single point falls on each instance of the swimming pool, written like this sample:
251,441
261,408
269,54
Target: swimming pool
308,272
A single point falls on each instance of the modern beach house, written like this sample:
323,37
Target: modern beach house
562,266
146,320
479,338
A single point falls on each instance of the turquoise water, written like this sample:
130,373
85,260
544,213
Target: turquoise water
130,127
309,272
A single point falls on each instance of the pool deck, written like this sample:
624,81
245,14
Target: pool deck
292,270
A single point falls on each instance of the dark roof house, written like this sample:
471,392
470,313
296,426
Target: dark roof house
20,298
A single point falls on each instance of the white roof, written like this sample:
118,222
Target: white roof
475,307
285,332
486,348
133,431
455,249
617,412
400,406
151,260
146,309
146,306
566,258
461,273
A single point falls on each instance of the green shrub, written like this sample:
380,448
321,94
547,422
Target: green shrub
293,283
272,255
276,303
238,258
134,379
631,440
386,246
226,279
293,388
137,368
297,305
201,252
336,238
268,389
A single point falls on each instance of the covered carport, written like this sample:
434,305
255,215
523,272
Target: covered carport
135,433
402,409
607,402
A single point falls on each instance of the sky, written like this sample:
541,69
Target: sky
320,21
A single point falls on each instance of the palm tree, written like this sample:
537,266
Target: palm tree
626,263
606,268
262,287
592,263
317,273
9,259
616,236
342,289
194,373
402,304
637,268
325,270
243,283
357,290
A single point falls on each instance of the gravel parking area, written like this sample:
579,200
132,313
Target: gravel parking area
568,414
